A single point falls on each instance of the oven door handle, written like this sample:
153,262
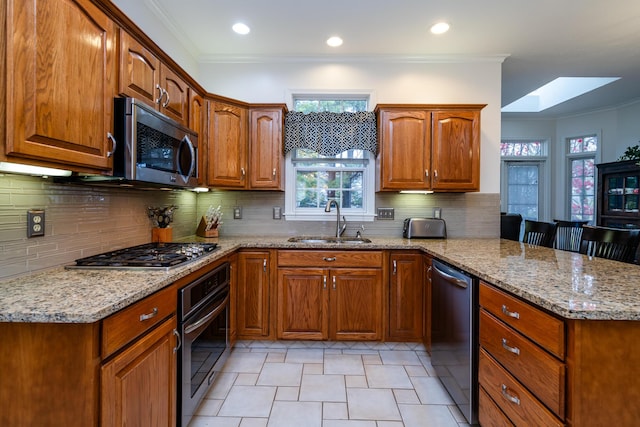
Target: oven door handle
204,319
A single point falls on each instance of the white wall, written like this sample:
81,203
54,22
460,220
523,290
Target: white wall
387,81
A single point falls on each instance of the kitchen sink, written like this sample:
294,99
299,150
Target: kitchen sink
328,239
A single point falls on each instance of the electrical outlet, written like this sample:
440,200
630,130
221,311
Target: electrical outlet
277,212
237,212
437,213
35,222
385,213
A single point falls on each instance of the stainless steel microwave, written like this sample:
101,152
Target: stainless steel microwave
151,147
149,150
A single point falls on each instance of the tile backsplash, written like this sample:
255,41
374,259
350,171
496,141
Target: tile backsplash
84,220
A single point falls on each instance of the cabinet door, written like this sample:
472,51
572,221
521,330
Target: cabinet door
227,146
303,303
138,386
456,150
406,299
404,150
60,82
355,304
197,124
267,160
253,294
139,71
175,102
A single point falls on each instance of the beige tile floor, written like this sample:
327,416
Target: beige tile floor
327,384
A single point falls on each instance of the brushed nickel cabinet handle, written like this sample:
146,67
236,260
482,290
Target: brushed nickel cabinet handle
328,259
178,340
334,283
395,267
160,94
264,265
324,282
243,172
274,172
514,350
148,316
510,398
426,173
513,314
165,103
114,144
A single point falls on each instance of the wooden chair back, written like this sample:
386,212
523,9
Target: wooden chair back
569,234
611,243
510,226
539,233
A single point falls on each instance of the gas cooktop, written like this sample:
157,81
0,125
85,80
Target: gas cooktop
151,256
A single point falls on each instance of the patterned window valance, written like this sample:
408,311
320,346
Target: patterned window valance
331,133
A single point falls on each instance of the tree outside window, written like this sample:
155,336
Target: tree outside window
581,154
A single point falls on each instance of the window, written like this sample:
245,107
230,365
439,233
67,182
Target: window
581,155
523,171
348,177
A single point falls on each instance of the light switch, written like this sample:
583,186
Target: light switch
35,222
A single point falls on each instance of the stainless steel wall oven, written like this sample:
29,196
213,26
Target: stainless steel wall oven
203,316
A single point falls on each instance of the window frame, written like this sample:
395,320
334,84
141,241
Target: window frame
544,179
569,157
364,214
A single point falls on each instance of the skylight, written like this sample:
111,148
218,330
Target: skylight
556,92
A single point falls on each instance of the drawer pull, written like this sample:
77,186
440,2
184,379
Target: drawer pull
513,314
329,259
510,398
148,316
514,350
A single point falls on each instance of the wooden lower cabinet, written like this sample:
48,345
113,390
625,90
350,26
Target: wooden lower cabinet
336,304
138,386
253,295
536,368
406,297
344,302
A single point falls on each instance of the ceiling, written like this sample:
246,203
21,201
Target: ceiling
541,39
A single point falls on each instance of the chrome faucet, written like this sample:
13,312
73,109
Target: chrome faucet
327,208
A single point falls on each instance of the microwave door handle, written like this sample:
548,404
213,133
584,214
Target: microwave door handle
192,151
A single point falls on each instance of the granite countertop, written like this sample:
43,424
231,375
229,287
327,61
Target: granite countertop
568,284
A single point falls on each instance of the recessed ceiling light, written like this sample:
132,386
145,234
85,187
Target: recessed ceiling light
241,28
334,41
440,28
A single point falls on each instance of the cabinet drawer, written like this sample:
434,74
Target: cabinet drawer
540,372
489,414
537,325
522,408
329,258
131,322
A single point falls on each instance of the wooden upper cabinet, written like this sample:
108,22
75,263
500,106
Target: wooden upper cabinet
429,147
456,150
267,160
175,100
227,146
139,71
405,155
197,109
145,77
60,59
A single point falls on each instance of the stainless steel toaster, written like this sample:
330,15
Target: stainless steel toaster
424,228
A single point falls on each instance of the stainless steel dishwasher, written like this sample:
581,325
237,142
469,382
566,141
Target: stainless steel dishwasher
454,335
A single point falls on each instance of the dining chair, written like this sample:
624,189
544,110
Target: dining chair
510,226
539,233
611,243
568,234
